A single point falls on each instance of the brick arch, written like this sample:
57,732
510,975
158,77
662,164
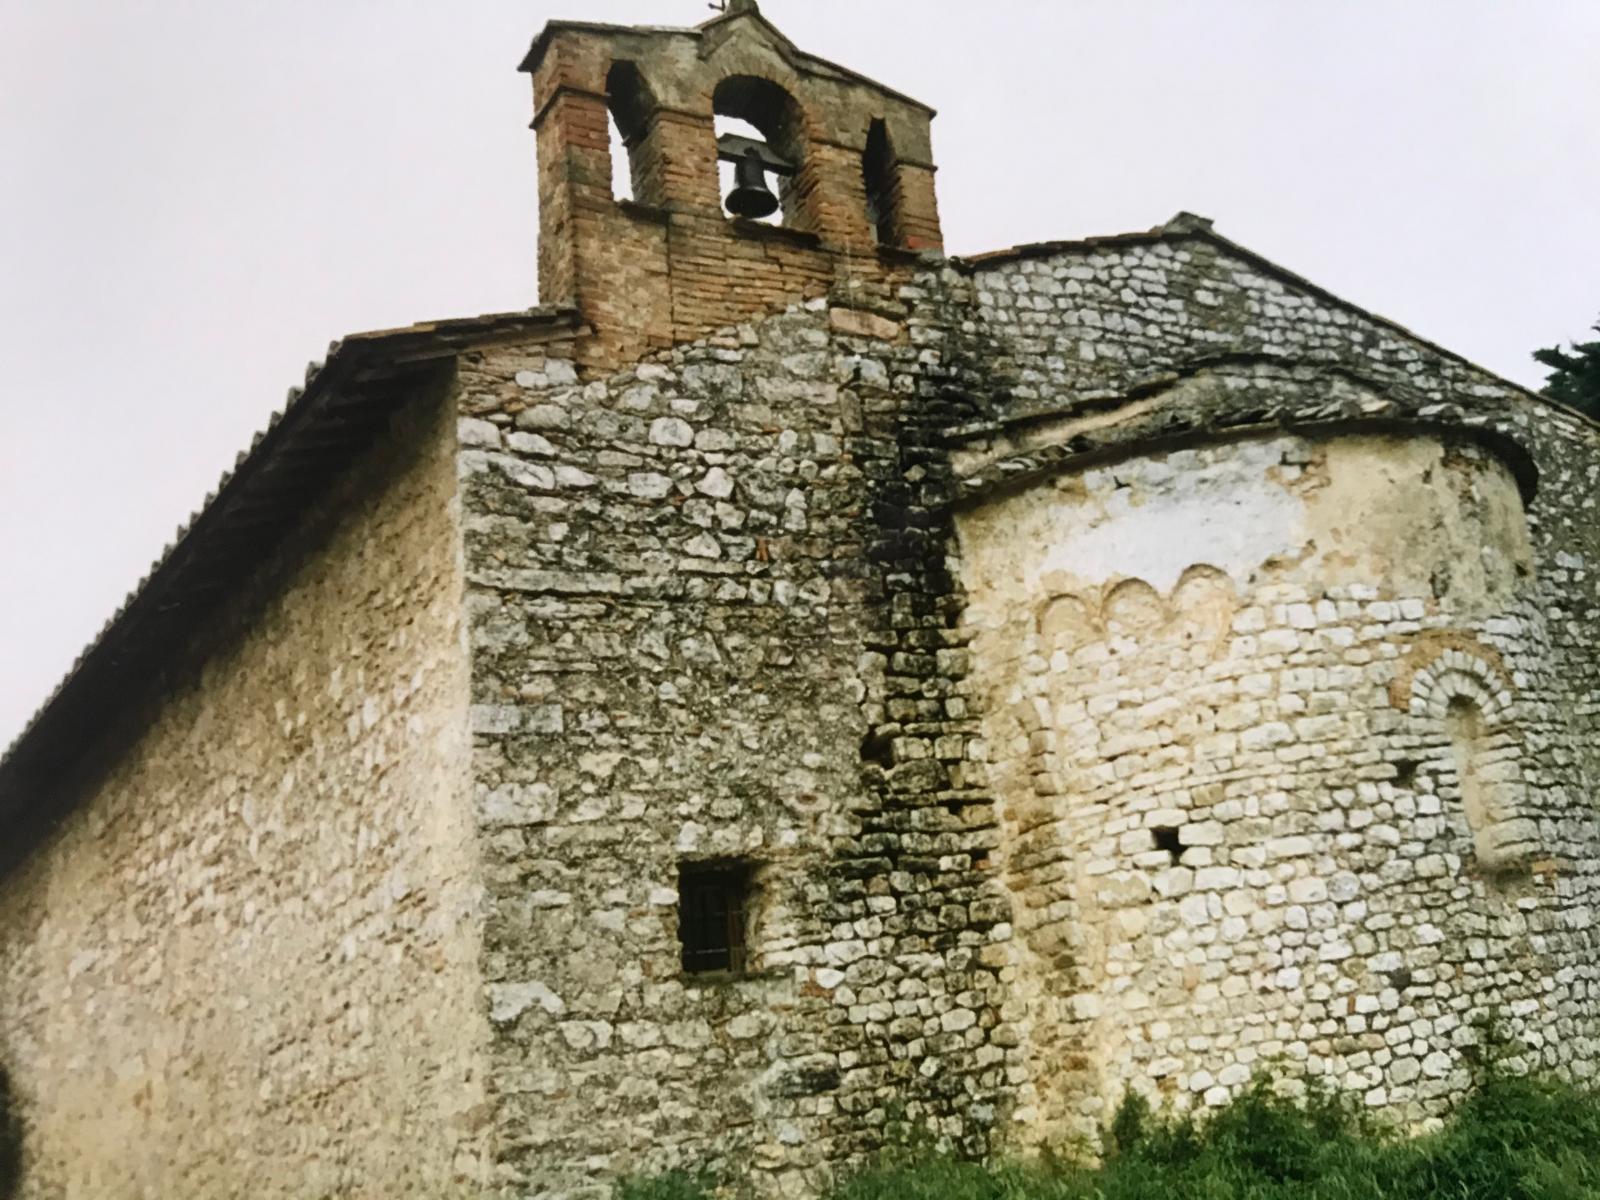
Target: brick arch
669,268
631,98
1457,674
768,105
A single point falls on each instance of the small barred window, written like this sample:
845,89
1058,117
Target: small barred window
712,903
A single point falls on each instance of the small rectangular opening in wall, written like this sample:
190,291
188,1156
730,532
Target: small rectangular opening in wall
1405,772
713,903
1166,838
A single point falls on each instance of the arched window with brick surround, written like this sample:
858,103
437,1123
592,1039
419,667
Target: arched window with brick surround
1462,697
630,108
754,112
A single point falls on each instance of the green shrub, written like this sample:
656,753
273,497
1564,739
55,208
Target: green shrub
672,1185
10,1141
1511,1139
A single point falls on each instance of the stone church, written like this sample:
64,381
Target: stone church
793,680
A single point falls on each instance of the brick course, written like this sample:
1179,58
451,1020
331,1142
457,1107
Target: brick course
672,266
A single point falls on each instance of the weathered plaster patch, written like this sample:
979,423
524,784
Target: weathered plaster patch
1406,513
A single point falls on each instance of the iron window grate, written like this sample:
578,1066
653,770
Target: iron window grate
711,916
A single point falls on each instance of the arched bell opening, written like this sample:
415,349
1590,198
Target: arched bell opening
760,151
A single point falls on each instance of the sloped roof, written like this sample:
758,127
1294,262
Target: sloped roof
1186,226
344,404
541,44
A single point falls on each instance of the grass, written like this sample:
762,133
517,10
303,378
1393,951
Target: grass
673,1185
1512,1139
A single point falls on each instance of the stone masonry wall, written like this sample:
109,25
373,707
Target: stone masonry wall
1230,839
1327,804
720,612
248,964
1121,667
711,621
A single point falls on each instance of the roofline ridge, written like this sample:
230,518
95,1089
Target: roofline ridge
447,337
541,44
1187,227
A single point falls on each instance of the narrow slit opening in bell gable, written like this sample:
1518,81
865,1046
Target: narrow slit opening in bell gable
630,109
878,175
621,169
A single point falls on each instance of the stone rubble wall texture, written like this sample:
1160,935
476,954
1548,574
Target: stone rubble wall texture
942,616
1121,666
701,591
1205,642
1252,570
249,964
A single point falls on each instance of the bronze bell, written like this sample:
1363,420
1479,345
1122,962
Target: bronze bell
751,197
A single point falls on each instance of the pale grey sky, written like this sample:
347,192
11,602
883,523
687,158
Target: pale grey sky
200,194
